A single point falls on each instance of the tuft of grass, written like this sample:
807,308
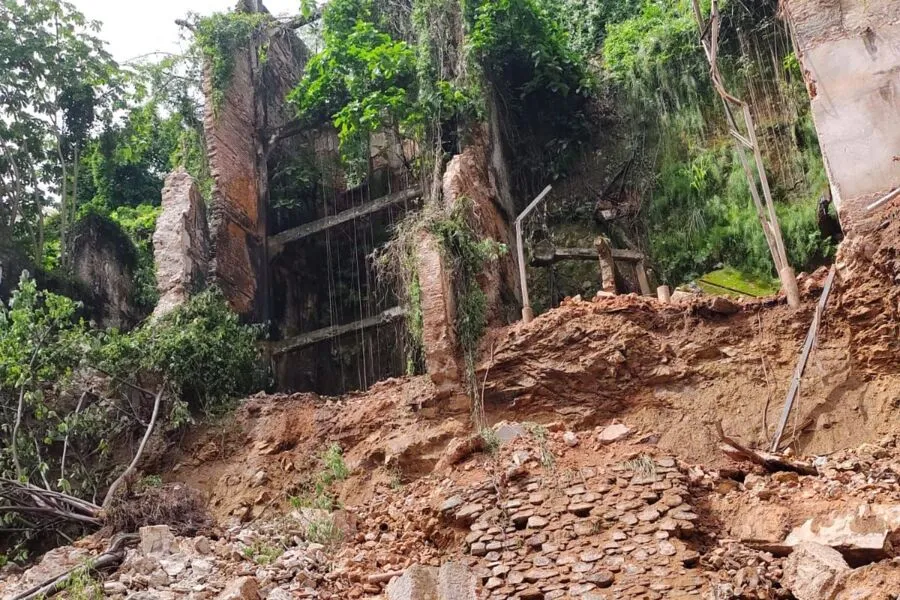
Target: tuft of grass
491,440
262,553
643,465
540,434
82,585
324,531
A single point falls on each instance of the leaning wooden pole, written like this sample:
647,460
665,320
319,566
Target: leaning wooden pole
759,190
811,338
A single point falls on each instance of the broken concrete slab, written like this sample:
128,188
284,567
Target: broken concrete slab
508,432
456,582
862,535
453,581
418,582
814,571
157,540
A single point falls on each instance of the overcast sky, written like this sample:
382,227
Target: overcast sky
137,27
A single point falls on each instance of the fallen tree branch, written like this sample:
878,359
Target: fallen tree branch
113,557
767,460
110,494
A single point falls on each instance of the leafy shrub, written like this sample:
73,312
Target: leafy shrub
201,348
41,343
542,83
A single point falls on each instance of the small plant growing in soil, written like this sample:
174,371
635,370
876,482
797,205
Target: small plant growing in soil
643,466
82,586
540,434
335,467
491,440
151,481
317,493
262,553
324,531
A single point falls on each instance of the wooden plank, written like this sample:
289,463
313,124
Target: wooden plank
278,242
804,357
562,254
308,339
642,278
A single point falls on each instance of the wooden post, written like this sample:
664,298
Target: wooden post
664,294
804,357
527,312
642,279
607,265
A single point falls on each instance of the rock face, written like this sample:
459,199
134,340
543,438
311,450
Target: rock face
233,121
468,176
180,242
104,261
814,571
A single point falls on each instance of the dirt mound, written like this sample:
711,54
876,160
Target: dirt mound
674,371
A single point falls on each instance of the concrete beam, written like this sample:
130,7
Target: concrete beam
279,241
320,335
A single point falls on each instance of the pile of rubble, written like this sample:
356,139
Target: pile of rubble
543,514
265,560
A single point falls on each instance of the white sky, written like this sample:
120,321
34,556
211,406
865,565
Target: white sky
137,27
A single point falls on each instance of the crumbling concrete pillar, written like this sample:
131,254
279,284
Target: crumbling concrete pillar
848,53
237,123
643,281
607,265
468,176
180,242
442,360
664,294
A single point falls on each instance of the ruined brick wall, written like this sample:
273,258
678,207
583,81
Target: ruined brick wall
850,53
237,220
468,175
236,135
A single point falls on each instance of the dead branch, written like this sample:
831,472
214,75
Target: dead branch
770,462
110,494
45,508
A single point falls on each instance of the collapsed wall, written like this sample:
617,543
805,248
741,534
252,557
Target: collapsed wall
850,54
180,242
236,122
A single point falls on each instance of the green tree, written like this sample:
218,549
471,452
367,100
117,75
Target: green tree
55,78
41,342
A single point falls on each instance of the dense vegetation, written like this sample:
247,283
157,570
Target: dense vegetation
87,142
72,397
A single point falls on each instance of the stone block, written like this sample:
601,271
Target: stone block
814,571
157,540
